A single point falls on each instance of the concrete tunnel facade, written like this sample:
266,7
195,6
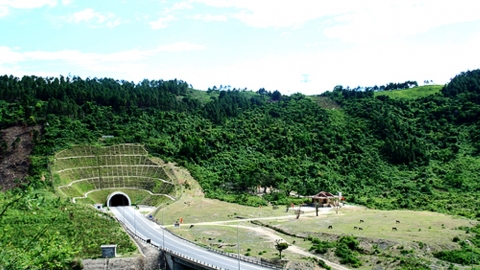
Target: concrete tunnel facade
118,199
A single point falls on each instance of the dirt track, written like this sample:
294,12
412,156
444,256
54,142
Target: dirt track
273,235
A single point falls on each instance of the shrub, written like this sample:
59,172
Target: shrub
321,247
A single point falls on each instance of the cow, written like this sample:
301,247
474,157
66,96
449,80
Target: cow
330,227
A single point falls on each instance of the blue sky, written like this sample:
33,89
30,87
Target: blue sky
306,46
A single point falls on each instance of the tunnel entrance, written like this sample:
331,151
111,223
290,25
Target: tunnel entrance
118,199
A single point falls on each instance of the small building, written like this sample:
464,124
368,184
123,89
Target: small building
323,198
109,251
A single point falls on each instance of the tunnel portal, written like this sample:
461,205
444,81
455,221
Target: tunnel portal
118,199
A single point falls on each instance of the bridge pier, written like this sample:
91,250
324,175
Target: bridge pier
178,263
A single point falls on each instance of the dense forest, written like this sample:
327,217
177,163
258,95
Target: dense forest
378,151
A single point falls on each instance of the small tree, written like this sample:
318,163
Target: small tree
298,211
280,246
336,204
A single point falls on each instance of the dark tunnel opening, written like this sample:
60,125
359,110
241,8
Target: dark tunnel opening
119,200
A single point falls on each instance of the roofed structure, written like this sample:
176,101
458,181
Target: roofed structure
323,197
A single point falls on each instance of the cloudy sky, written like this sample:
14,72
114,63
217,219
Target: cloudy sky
306,46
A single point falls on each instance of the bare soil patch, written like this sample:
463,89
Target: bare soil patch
16,144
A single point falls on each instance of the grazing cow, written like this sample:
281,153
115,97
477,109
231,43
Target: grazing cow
397,221
360,228
330,227
355,227
361,220
394,228
191,226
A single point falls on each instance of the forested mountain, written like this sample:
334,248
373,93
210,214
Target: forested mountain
381,152
389,153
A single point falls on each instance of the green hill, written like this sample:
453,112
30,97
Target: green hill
418,152
412,93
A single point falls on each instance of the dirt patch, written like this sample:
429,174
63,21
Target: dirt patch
16,144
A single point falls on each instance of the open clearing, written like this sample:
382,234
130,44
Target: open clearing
217,223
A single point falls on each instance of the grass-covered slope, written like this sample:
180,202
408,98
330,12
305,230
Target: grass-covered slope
412,93
81,169
40,231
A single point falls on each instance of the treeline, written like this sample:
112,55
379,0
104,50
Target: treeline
387,87
380,152
68,96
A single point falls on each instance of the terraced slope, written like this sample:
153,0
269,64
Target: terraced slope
81,169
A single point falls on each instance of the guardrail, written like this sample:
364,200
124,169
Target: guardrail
232,255
236,256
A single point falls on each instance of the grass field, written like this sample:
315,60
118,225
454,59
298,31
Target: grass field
216,224
412,93
432,229
428,227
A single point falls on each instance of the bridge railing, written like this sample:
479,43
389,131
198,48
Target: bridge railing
236,256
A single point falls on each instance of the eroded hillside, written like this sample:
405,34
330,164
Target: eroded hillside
15,148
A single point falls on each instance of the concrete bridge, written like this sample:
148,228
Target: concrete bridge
180,254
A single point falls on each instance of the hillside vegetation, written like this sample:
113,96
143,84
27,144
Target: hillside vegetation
386,153
82,169
412,93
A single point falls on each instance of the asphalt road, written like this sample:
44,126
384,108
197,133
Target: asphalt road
147,229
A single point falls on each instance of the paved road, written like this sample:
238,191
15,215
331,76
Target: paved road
145,228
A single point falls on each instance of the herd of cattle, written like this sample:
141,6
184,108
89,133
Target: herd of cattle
362,221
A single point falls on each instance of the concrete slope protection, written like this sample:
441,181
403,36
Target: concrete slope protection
147,229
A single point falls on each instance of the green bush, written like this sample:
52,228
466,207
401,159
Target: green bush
463,256
321,247
347,250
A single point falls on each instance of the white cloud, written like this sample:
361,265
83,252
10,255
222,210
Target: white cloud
135,64
182,5
274,13
93,17
179,47
3,11
29,4
210,17
5,5
353,20
392,19
9,56
87,60
162,22
67,2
